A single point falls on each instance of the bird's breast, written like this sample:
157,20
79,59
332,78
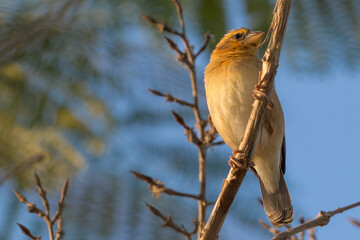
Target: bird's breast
229,97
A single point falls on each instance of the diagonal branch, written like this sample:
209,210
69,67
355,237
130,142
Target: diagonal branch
161,26
168,222
321,219
22,166
27,232
169,98
157,187
207,38
235,177
355,222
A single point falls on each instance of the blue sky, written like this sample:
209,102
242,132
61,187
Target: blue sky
322,131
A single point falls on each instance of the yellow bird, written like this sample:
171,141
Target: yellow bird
230,78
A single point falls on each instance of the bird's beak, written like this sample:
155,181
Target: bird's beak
254,37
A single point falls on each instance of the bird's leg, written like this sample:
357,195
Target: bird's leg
239,162
259,94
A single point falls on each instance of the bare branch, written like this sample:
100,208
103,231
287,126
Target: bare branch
170,98
22,166
321,219
32,208
204,139
312,234
157,187
174,46
42,194
211,134
355,222
61,203
161,26
60,230
168,222
27,232
207,37
218,143
180,15
235,177
189,132
268,227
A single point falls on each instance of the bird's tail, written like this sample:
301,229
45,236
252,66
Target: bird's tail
277,205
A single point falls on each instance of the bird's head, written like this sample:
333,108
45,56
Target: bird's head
240,41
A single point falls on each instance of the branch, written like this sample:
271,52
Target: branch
169,98
321,219
204,138
161,26
168,222
207,37
268,227
27,232
189,132
211,134
235,177
32,208
22,166
61,203
157,187
355,222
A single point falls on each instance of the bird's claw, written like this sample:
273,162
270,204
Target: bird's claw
239,162
258,94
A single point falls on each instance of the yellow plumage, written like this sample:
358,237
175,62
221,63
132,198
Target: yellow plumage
230,78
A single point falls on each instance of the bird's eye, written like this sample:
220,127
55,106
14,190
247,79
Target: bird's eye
237,36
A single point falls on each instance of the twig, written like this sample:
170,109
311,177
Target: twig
157,187
168,222
204,138
301,221
32,208
27,232
161,26
207,37
189,132
218,143
355,222
268,227
235,177
321,219
312,234
61,203
170,98
22,166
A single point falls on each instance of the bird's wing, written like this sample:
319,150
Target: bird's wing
283,156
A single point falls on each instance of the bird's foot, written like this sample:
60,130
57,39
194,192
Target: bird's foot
259,94
239,162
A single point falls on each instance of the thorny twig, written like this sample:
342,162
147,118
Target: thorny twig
50,221
206,133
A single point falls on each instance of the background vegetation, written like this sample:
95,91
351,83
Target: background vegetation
73,79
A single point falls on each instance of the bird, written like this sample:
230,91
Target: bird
229,80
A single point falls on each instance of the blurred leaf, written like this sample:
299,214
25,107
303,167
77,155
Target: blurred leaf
67,119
